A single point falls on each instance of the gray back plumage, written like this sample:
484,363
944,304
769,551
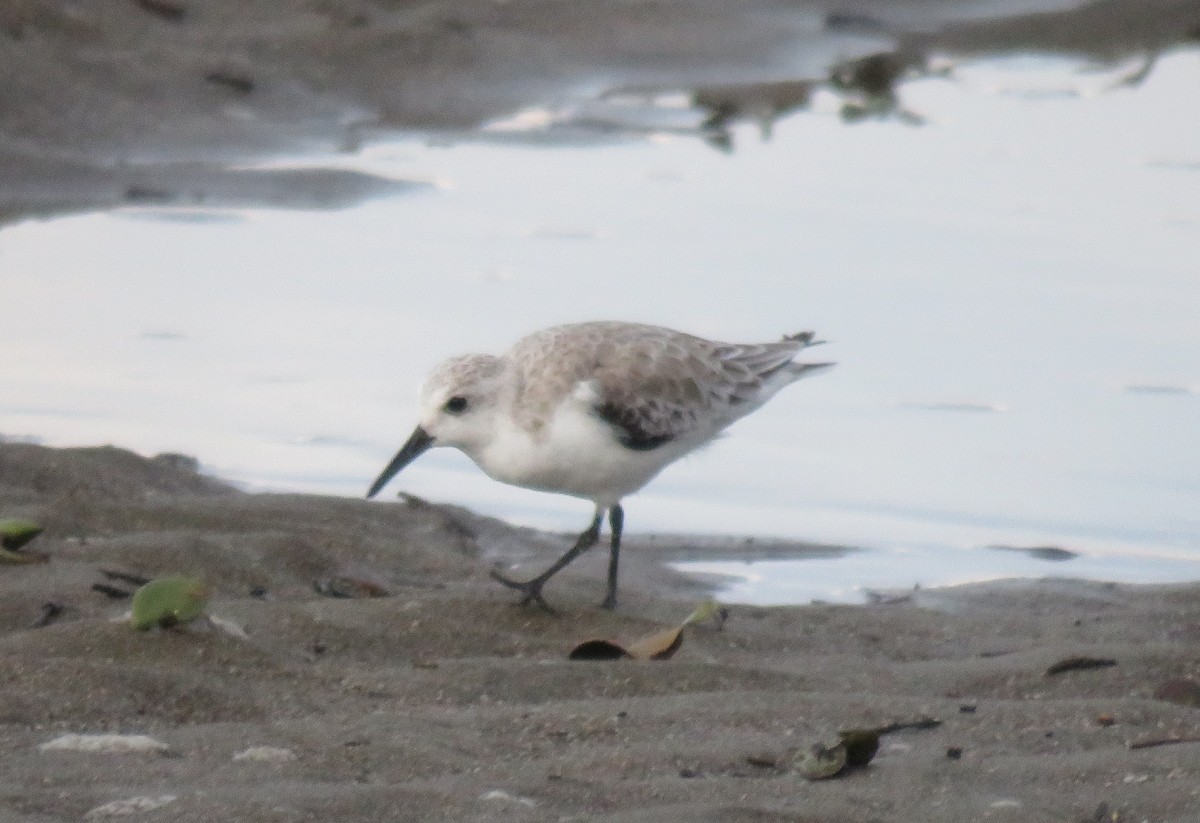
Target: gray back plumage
652,384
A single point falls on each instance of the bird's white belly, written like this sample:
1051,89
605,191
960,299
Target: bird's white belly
577,455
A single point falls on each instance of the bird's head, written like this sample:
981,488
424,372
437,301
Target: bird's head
458,408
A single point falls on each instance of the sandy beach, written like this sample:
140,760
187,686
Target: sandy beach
444,701
362,665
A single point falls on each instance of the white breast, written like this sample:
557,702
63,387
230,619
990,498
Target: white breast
576,454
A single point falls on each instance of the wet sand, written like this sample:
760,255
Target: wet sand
444,700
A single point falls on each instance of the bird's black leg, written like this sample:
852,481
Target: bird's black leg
533,588
616,520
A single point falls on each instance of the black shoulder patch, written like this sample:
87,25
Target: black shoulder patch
630,428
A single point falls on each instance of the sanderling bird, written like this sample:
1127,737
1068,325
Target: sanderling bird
594,410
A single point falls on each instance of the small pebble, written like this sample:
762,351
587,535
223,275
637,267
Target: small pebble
134,805
498,794
266,754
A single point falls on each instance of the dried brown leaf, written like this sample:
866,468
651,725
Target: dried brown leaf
861,746
658,646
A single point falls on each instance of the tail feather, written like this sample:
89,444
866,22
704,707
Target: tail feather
808,369
804,338
766,360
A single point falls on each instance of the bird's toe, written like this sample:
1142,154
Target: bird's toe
532,589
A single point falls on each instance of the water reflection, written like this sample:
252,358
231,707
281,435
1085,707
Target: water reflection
159,101
893,576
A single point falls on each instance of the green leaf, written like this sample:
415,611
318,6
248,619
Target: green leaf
21,558
821,762
853,750
169,601
707,610
15,532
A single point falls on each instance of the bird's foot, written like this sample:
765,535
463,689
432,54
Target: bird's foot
610,602
532,590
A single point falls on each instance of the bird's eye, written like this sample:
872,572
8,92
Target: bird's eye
455,405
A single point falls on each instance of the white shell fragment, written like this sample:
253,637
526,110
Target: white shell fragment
104,744
500,794
134,805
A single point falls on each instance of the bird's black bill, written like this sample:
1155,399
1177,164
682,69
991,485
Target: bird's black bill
417,444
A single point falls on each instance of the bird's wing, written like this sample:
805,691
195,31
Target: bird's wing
655,389
648,411
747,367
651,384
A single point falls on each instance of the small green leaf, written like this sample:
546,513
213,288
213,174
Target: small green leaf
15,532
853,750
169,601
20,558
821,762
707,610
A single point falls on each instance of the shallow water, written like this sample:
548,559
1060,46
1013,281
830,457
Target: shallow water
891,574
1010,292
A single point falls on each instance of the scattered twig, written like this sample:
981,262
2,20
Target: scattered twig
417,582
111,591
919,723
234,82
347,586
763,761
1162,741
166,9
125,577
147,194
50,611
877,598
1072,664
465,534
